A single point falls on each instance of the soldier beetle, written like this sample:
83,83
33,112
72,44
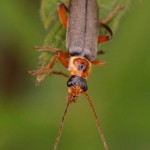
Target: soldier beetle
82,25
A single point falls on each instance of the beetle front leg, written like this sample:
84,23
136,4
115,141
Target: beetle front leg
98,63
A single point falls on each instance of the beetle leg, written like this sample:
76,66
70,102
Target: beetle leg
40,73
105,38
98,63
59,73
113,13
61,56
46,48
103,23
62,9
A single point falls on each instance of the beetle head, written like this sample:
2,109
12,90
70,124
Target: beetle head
76,85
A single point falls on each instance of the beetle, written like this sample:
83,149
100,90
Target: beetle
82,37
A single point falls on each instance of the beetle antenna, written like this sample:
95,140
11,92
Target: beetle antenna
61,126
97,121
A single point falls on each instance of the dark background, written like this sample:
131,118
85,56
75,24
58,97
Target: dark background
30,115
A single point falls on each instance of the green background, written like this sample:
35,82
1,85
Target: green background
30,115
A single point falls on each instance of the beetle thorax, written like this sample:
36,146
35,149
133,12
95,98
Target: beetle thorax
79,66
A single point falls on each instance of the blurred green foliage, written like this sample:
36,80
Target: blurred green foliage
30,115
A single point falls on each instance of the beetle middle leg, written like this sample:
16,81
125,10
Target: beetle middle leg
60,55
98,62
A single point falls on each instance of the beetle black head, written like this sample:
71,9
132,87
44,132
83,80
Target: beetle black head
77,81
76,85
